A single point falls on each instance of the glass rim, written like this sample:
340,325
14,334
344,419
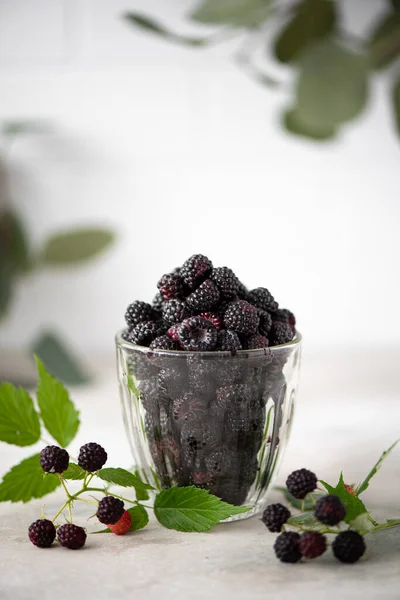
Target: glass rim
294,343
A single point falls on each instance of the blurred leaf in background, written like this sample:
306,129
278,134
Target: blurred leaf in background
238,13
59,359
75,246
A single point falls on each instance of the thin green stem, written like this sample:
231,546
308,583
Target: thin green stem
87,501
61,478
89,489
61,510
70,512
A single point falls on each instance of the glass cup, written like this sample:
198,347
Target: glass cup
215,420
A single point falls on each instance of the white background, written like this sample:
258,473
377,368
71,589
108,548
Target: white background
180,152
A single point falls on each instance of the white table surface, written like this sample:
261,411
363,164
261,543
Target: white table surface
348,411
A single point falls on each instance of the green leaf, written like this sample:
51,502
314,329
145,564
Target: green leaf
12,128
19,422
396,104
312,19
308,504
364,485
353,505
56,409
384,45
139,517
7,276
151,26
76,246
239,13
293,123
14,249
26,481
141,494
395,4
59,359
332,85
123,478
132,386
362,524
302,519
74,472
192,509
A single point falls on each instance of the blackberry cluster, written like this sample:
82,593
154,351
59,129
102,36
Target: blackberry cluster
198,288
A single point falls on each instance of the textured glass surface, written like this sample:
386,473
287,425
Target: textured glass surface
209,419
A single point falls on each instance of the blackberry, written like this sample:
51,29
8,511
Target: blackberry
197,334
138,312
173,332
205,297
242,317
215,319
188,407
265,322
195,270
172,382
71,536
301,482
283,315
163,342
232,491
233,396
239,422
171,286
243,292
219,461
175,311
281,333
42,533
228,340
92,457
54,459
197,437
262,298
201,374
287,547
348,546
330,510
144,333
275,516
255,341
312,544
226,281
126,334
158,303
229,372
110,510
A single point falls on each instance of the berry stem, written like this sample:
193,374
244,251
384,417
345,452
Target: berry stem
61,510
90,489
62,481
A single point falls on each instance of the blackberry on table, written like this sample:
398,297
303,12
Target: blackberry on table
205,297
197,334
92,457
242,317
171,286
195,270
301,482
287,547
138,312
330,510
265,322
226,281
312,544
175,311
255,341
275,516
281,333
164,342
71,536
144,333
42,533
110,510
54,459
228,340
262,298
348,546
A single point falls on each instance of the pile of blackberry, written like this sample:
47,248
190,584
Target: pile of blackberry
204,414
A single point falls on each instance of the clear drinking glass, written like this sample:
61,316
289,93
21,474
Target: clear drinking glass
215,420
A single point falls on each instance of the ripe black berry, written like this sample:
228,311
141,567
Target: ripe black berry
262,298
54,459
138,312
301,482
42,533
255,341
205,297
164,342
158,303
219,461
275,516
312,544
242,317
71,536
228,340
215,318
110,510
197,334
281,333
265,322
226,281
175,311
285,316
287,547
92,457
195,270
171,286
348,546
144,333
330,510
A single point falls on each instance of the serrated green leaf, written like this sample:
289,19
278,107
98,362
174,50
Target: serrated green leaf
141,494
312,19
192,509
307,505
59,359
26,481
123,478
19,421
56,408
396,104
384,45
353,505
75,246
364,485
139,517
293,123
239,13
74,472
332,86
